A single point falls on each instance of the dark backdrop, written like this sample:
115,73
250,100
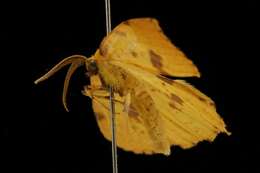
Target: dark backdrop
40,136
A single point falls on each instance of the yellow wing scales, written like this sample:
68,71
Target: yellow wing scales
141,42
188,116
131,133
143,102
152,112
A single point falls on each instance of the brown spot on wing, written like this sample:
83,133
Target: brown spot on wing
120,33
103,48
151,19
199,97
132,111
165,79
172,104
141,94
100,116
103,83
147,109
123,76
156,59
212,104
176,98
202,99
134,53
126,22
167,39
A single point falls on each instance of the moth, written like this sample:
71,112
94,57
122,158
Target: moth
152,111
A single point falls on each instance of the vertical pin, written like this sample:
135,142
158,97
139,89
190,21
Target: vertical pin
112,106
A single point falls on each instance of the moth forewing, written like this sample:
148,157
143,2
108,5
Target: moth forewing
152,112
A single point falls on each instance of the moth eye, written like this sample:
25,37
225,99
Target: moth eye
92,67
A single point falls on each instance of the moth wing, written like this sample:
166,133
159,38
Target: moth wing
142,42
188,116
143,102
130,132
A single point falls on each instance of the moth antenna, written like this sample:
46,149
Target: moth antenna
75,61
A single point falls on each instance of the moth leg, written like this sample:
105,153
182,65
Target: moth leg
95,88
98,96
94,91
98,92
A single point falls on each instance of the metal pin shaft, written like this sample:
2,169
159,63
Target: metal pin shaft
112,106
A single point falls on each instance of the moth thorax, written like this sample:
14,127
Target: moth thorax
91,67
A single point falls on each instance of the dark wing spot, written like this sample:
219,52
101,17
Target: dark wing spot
151,19
202,99
103,82
212,104
103,49
120,33
176,98
126,22
147,109
106,97
132,112
172,104
134,53
141,94
123,76
167,39
164,72
165,79
100,116
156,59
120,92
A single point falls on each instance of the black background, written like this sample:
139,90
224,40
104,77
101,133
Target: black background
40,136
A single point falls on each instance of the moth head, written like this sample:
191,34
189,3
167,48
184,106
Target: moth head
74,61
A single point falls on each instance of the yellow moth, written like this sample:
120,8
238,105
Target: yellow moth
152,111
